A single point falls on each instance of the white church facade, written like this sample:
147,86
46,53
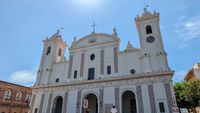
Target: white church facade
98,75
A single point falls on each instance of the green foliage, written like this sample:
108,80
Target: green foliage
195,93
187,93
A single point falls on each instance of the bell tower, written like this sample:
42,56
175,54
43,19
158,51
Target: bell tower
154,55
53,52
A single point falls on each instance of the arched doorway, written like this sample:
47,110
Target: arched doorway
35,110
57,105
92,102
128,102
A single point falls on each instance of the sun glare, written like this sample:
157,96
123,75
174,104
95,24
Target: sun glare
88,3
91,2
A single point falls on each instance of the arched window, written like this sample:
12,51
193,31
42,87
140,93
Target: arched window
60,52
8,94
162,107
48,50
148,29
28,97
18,95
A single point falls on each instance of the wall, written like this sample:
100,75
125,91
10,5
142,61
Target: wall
12,105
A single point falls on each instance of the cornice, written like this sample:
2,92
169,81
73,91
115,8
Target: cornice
13,85
132,51
104,80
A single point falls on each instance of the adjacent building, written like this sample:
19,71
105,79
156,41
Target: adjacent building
193,74
99,75
14,98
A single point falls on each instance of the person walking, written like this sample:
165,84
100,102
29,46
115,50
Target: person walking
113,109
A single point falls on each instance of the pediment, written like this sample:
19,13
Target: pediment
94,39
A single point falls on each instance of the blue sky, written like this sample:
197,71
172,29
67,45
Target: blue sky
25,23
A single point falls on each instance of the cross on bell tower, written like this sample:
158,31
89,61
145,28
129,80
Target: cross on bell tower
94,26
146,7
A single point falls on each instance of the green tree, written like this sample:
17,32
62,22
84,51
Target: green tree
182,93
187,94
194,94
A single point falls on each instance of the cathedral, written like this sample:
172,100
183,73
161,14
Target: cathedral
98,75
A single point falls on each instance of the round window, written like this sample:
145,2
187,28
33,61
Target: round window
150,39
132,71
92,56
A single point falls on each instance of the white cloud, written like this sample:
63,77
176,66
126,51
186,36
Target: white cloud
179,76
187,30
24,77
